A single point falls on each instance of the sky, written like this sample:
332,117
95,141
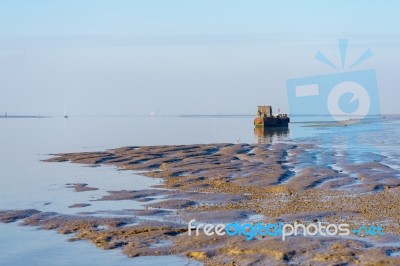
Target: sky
173,57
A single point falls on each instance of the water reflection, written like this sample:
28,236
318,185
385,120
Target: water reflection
268,135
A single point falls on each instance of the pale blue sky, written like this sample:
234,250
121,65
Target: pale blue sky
182,57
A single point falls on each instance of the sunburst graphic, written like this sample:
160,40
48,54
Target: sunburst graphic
343,44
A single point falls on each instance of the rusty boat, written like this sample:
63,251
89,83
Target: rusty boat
265,118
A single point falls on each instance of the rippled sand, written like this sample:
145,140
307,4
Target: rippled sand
222,183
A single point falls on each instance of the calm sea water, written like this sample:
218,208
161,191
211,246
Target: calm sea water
27,182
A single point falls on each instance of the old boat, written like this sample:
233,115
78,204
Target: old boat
265,118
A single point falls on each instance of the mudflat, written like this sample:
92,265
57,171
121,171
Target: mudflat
224,183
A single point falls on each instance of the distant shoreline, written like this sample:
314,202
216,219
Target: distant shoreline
24,116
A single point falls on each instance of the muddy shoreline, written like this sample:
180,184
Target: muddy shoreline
223,183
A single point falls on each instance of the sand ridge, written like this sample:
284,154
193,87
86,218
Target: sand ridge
228,182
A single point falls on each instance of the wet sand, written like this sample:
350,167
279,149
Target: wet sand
223,183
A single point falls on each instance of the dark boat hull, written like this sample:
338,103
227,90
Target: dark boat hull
272,122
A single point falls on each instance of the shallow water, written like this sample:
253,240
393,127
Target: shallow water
27,182
22,245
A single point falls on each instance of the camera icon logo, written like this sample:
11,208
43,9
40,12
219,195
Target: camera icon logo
339,96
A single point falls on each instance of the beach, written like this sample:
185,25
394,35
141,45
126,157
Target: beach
275,179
